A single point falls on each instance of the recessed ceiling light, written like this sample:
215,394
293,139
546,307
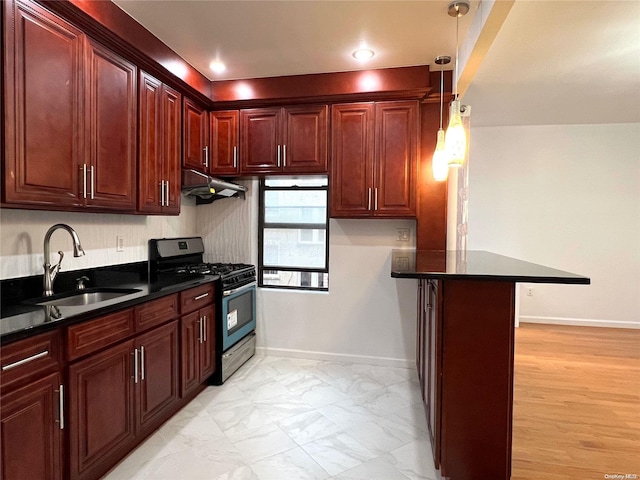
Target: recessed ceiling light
217,66
363,54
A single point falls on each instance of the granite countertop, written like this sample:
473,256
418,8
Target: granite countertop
20,319
475,265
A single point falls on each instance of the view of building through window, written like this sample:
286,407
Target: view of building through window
294,233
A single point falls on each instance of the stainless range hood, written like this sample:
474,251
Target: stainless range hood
206,189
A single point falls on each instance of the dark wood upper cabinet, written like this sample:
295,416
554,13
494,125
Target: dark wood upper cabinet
306,139
224,142
159,147
172,123
70,118
290,140
111,99
195,136
352,136
396,155
374,163
260,134
44,142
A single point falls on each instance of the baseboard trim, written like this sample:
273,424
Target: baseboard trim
579,322
337,357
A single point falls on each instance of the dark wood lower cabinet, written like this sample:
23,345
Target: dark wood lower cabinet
157,388
101,409
198,348
30,432
465,363
119,395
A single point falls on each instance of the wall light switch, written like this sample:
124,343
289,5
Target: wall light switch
119,243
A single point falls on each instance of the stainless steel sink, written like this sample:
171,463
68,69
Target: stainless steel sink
80,298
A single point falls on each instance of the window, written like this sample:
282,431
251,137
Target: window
294,233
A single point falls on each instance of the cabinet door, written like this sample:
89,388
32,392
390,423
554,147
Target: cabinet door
352,131
305,139
224,142
190,352
433,367
30,432
44,104
101,417
150,137
208,344
396,154
260,134
157,390
111,122
171,165
195,141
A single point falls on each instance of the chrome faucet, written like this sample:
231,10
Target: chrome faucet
50,272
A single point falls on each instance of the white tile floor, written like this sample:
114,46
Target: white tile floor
290,419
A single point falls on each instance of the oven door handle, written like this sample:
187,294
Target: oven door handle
228,293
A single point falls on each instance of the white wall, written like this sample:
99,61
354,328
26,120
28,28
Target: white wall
566,196
22,237
366,315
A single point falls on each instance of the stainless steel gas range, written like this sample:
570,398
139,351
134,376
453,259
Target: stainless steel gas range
176,259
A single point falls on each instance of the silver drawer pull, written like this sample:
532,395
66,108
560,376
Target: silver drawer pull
61,407
200,297
25,360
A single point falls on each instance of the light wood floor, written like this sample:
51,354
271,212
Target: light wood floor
576,411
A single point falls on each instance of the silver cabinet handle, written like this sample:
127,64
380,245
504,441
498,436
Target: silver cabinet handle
200,297
200,330
25,360
204,328
284,155
60,420
206,156
84,180
92,181
142,363
166,197
135,365
235,157
369,203
162,193
278,155
375,201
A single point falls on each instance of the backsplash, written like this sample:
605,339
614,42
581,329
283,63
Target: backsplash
22,237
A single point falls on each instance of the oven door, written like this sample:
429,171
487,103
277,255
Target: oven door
238,314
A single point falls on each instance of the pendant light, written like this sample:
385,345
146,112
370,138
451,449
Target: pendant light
455,138
440,161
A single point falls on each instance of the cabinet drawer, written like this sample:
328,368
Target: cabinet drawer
196,298
93,335
29,357
156,312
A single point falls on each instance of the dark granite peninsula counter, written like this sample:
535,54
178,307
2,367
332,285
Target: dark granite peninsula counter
464,354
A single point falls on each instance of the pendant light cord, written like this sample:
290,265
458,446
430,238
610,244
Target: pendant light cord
441,95
455,80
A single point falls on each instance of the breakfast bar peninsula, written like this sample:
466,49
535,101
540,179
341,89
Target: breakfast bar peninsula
465,351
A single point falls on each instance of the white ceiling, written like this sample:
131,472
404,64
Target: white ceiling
552,62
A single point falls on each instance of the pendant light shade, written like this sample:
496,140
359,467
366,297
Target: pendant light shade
456,138
440,161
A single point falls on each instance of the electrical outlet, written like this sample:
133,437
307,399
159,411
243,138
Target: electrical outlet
529,291
119,243
403,235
